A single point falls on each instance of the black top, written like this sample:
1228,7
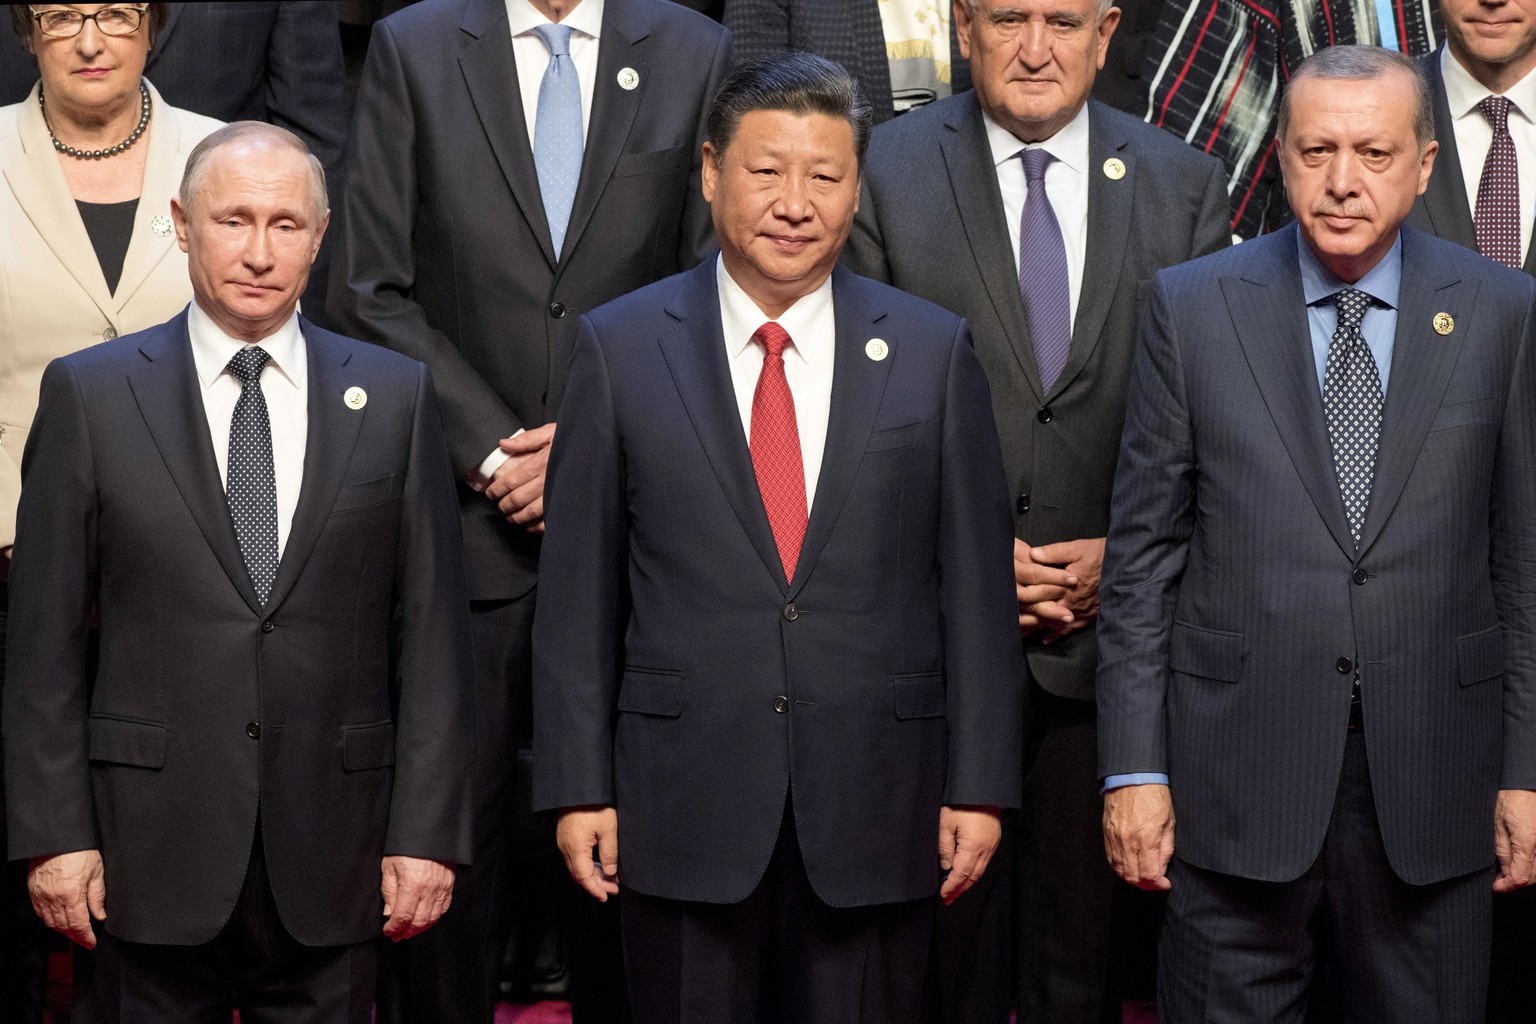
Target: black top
110,226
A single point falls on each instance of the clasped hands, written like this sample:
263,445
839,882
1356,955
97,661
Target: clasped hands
968,836
1057,586
69,892
517,486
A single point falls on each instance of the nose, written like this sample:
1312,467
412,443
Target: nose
1035,44
794,201
1344,175
88,41
258,251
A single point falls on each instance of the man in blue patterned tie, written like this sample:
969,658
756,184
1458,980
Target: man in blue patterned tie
259,514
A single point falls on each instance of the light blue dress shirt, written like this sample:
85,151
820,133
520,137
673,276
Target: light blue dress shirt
1383,282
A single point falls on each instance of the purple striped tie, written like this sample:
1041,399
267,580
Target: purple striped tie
1043,281
1496,218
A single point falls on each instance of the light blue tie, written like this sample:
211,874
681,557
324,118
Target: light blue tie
557,145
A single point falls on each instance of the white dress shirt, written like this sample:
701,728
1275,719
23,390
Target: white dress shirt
284,383
532,56
1474,134
1066,184
807,362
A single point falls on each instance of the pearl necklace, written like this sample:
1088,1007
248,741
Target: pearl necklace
100,154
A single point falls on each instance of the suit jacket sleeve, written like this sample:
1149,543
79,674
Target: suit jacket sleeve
1151,522
1512,559
52,585
430,806
583,593
1213,229
984,665
373,292
865,252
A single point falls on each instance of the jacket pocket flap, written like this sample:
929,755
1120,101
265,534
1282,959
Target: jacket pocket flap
122,741
895,437
363,495
631,164
920,695
367,746
1208,653
1480,656
651,692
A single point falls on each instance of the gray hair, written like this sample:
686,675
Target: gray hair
1101,8
1360,63
795,82
265,134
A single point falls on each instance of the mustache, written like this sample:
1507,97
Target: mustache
1344,209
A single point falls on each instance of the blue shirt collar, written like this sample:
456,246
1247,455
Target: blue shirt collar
1383,282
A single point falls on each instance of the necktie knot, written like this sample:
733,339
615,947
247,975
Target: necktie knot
773,338
1496,110
1352,304
248,363
1035,163
557,38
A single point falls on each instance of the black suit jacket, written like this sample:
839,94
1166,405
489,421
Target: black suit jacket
447,254
678,677
931,222
345,733
1443,209
1236,604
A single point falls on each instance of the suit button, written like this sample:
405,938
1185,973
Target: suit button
109,334
791,612
1022,504
781,704
557,310
1360,576
253,730
268,626
1345,666
1044,415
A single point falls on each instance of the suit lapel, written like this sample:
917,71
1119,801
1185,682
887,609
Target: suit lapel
694,351
33,174
333,431
1445,198
1109,225
1269,313
613,109
162,168
166,390
1421,370
973,179
490,73
858,383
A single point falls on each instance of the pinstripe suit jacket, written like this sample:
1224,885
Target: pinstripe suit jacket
1235,601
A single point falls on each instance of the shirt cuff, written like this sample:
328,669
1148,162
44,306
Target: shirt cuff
480,477
1133,779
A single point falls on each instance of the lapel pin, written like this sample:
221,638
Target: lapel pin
628,78
355,398
876,349
1114,168
1444,323
160,224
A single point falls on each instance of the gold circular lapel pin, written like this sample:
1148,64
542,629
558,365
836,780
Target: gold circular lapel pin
355,398
629,78
876,349
1114,168
1444,323
160,224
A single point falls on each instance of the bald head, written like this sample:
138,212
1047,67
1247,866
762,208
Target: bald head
243,137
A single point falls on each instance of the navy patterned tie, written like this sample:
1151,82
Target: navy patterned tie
1043,281
250,482
1352,401
1496,218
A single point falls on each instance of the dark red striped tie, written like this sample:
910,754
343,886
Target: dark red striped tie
775,448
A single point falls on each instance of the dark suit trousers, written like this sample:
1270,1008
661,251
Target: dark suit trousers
253,965
1245,952
781,956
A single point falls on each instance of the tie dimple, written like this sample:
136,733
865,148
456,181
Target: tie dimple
250,481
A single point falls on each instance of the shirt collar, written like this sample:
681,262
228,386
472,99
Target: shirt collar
1463,92
587,18
212,349
1069,145
1383,282
805,321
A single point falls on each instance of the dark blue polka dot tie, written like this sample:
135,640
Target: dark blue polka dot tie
250,482
1352,401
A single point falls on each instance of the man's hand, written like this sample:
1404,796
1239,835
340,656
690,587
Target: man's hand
1138,834
416,893
1057,586
1514,839
579,830
517,486
968,836
67,890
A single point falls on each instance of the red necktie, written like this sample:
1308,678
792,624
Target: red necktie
776,449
